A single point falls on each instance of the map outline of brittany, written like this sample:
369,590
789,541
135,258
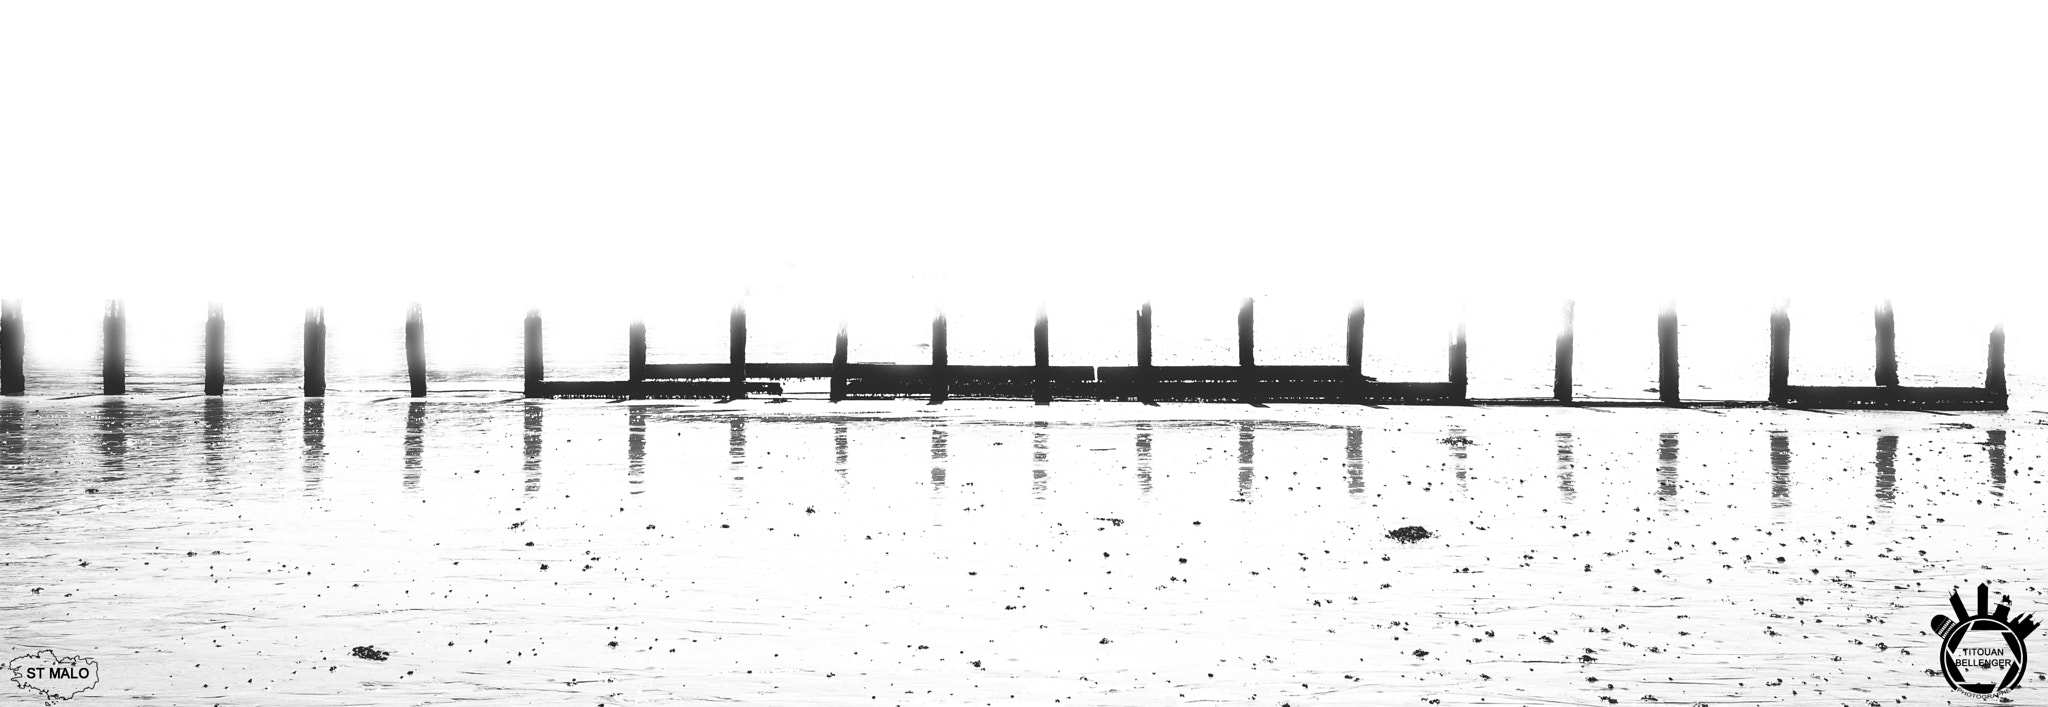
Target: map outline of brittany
73,674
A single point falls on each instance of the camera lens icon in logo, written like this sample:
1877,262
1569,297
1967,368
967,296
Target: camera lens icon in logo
1983,653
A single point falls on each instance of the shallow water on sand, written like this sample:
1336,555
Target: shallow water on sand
235,550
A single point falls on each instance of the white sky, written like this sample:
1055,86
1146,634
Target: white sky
522,153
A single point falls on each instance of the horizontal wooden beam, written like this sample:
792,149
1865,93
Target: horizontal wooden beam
1851,397
1230,373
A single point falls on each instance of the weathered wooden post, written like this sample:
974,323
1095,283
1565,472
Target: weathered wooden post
1354,338
1561,388
1887,345
1244,333
941,372
216,350
416,350
636,359
1667,353
736,339
114,350
1145,352
316,352
1781,353
839,364
535,374
1994,364
1459,352
1041,358
13,380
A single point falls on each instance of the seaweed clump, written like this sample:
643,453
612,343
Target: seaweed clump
369,653
1413,533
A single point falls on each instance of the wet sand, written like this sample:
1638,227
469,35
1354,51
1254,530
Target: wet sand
236,550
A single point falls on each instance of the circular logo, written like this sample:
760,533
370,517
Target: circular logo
1983,656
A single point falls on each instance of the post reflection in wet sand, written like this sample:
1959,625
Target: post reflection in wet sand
1781,469
213,426
1460,453
938,454
736,451
532,438
636,447
415,442
113,436
1887,469
1040,442
1245,453
13,436
1667,466
1566,465
1143,443
313,441
1994,450
1354,459
839,451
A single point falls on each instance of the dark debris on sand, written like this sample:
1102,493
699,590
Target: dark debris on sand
369,653
1409,534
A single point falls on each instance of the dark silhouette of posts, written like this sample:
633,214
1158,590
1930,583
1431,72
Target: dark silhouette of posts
13,380
1145,352
1041,358
1244,333
839,364
1994,364
114,350
1887,345
1781,353
1561,388
316,352
1459,352
941,372
736,340
535,374
1667,353
416,350
636,351
1354,337
216,350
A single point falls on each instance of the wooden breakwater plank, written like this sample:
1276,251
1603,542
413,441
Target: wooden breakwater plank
536,373
314,335
1168,374
1667,353
216,350
1887,364
714,389
838,390
1994,363
736,342
1894,397
416,350
1041,358
1561,384
1459,352
114,349
1144,381
938,375
1781,352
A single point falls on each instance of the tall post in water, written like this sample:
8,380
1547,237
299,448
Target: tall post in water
1667,353
1354,338
636,351
535,374
1145,352
1041,358
736,340
1459,352
216,350
839,364
416,350
1994,364
1887,345
1781,353
114,350
13,380
941,373
1561,388
316,352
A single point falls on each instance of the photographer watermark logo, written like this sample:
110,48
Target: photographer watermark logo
54,678
1983,654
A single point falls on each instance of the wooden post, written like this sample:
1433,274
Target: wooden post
1354,338
13,380
1145,352
114,350
1667,353
1781,353
1994,364
1244,332
941,375
1561,388
1459,353
839,364
216,354
636,351
1041,358
737,342
416,350
1887,346
316,352
535,374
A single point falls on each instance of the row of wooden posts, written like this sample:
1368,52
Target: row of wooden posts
1248,380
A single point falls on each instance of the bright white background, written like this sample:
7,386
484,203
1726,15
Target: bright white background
863,155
